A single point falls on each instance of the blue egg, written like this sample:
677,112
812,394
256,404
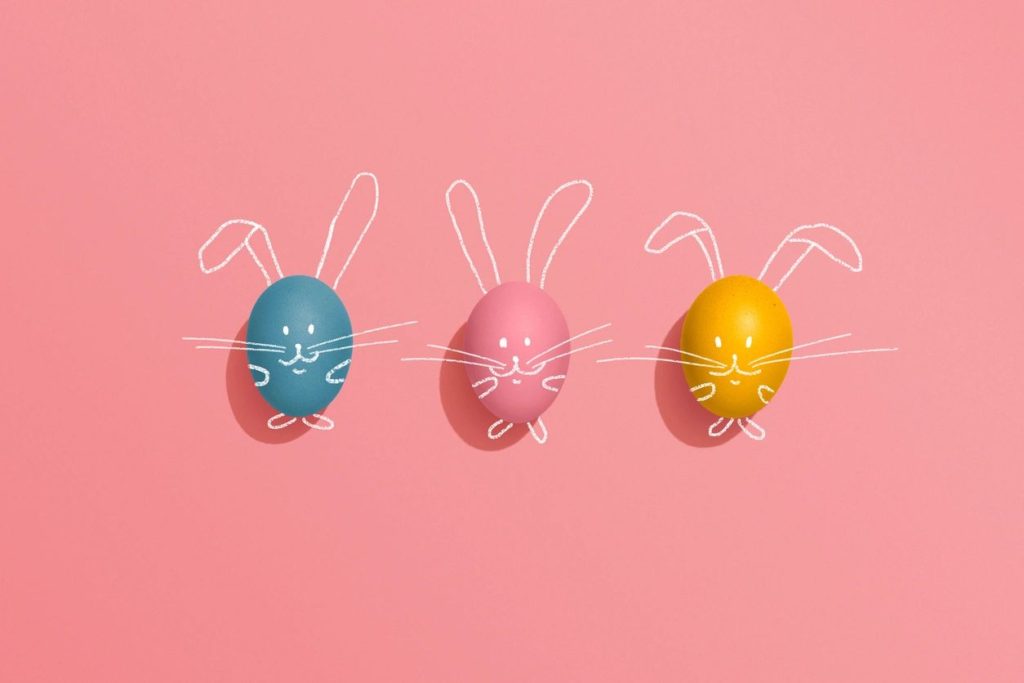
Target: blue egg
299,334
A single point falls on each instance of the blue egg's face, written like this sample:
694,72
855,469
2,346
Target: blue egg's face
303,316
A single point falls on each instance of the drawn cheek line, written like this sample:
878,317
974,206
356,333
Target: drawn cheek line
553,378
705,385
735,368
266,375
485,380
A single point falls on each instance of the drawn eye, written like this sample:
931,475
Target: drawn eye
503,342
311,328
718,342
750,340
285,330
527,341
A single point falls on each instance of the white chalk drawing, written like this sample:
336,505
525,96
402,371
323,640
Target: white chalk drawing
565,233
362,234
538,431
806,236
298,358
812,244
330,378
514,372
321,422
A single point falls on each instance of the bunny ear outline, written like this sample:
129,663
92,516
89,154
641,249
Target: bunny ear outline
362,233
809,235
699,230
461,237
565,233
251,229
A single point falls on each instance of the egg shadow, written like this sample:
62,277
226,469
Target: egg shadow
463,410
684,417
250,409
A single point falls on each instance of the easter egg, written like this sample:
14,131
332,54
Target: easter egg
514,333
299,339
735,343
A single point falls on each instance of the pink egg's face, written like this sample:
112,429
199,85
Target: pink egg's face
516,324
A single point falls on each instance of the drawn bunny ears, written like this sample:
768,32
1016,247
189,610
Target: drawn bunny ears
844,252
533,234
253,229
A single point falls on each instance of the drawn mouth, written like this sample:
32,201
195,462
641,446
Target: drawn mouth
516,370
734,382
297,357
299,371
735,368
517,381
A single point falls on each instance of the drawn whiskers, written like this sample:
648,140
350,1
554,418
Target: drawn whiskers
660,359
562,343
441,347
801,346
354,346
570,352
361,332
469,359
234,344
769,358
696,356
823,355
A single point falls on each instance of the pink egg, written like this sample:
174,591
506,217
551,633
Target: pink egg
517,324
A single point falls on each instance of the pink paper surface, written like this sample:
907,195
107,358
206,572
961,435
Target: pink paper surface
148,530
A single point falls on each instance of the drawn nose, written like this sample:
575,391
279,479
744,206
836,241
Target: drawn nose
298,348
735,359
515,360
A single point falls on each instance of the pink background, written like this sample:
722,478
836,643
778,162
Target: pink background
147,533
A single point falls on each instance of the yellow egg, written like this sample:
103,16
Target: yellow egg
736,344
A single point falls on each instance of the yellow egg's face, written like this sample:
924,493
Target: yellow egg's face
732,332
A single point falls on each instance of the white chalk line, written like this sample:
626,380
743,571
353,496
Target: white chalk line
483,232
330,378
491,434
441,347
357,346
553,378
273,423
233,341
245,244
566,341
494,385
751,428
266,375
656,359
811,246
361,332
801,346
734,368
696,235
240,348
448,360
717,429
705,385
539,432
571,352
362,234
688,353
565,233
322,422
825,355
